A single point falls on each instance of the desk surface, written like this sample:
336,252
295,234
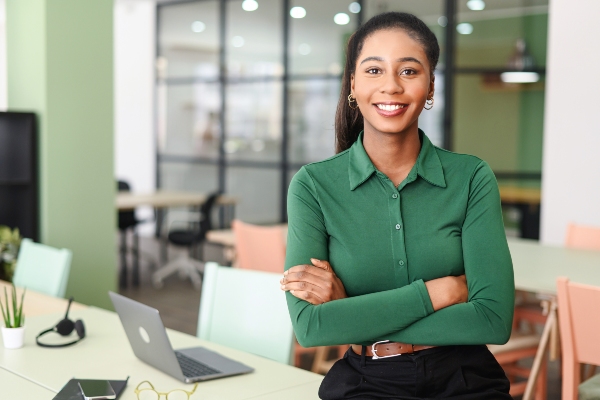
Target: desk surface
537,266
165,198
40,304
106,354
14,387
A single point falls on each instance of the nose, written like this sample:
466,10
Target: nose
391,84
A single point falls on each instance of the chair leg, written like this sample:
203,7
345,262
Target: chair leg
123,251
170,268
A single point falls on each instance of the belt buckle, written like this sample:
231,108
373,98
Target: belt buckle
377,357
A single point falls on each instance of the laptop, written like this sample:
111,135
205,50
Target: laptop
150,343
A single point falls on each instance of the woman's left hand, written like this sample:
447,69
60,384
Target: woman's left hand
315,283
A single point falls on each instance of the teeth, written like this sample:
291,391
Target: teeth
389,107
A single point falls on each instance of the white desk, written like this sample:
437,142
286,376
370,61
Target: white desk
105,354
166,198
14,387
39,304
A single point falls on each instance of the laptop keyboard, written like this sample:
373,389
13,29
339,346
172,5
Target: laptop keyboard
192,368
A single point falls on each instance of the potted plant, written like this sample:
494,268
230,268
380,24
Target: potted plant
10,240
13,331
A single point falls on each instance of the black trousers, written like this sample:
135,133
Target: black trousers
445,372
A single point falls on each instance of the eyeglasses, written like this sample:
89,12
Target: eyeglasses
149,393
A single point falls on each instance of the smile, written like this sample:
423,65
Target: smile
390,107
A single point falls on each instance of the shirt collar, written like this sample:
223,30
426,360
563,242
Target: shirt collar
428,165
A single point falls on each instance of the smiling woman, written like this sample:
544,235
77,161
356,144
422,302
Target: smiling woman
394,244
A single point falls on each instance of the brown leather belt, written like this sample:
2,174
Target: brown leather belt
385,349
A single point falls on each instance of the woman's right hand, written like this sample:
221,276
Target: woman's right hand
447,291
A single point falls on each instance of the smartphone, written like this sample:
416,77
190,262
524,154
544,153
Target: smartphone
95,389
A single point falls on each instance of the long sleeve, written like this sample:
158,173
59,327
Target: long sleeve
357,319
487,316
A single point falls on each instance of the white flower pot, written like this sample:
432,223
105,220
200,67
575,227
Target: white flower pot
13,337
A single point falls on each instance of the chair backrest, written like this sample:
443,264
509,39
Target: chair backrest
43,268
583,237
206,213
259,247
578,306
245,310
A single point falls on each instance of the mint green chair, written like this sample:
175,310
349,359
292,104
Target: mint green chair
246,310
43,268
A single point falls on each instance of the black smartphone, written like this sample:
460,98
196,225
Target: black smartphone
96,389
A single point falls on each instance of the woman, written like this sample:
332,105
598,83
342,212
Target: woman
394,240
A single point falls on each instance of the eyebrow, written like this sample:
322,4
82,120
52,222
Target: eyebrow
403,59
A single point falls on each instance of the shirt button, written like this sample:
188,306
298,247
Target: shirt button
395,196
398,226
401,262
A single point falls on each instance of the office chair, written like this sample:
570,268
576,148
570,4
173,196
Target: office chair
126,221
43,268
256,321
193,236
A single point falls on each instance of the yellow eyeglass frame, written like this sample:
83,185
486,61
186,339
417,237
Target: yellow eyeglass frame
166,394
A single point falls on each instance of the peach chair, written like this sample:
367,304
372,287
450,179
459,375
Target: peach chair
259,247
583,237
579,333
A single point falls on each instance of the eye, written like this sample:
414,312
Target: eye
408,71
372,71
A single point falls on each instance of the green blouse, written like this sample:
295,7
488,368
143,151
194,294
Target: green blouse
384,242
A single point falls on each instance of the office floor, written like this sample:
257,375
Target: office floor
178,302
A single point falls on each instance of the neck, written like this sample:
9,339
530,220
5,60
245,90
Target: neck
394,154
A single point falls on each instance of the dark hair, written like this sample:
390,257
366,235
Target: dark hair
348,121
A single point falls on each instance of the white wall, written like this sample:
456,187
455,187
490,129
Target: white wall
571,165
3,75
134,46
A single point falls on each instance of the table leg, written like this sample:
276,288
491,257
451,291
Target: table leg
136,259
541,352
123,271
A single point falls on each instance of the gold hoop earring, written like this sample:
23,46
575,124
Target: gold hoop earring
352,100
429,102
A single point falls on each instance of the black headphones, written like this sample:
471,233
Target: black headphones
64,328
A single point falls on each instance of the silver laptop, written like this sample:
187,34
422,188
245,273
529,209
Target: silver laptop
150,343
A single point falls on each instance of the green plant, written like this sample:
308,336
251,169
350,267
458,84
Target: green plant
18,319
10,240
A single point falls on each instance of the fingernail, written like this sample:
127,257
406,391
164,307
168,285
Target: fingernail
315,259
282,287
292,291
285,273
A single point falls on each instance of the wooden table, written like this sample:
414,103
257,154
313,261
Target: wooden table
527,201
105,353
536,268
166,198
159,200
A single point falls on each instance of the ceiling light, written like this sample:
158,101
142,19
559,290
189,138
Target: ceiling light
341,18
237,41
198,26
519,77
249,5
354,8
465,28
443,21
304,49
476,5
298,12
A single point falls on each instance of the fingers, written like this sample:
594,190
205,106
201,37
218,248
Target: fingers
291,281
311,269
310,297
324,265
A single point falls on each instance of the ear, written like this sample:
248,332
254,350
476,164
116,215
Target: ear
431,87
352,83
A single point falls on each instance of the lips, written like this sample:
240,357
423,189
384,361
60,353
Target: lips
390,109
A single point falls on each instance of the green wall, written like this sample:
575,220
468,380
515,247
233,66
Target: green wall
502,126
60,65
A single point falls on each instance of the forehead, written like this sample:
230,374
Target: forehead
392,44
